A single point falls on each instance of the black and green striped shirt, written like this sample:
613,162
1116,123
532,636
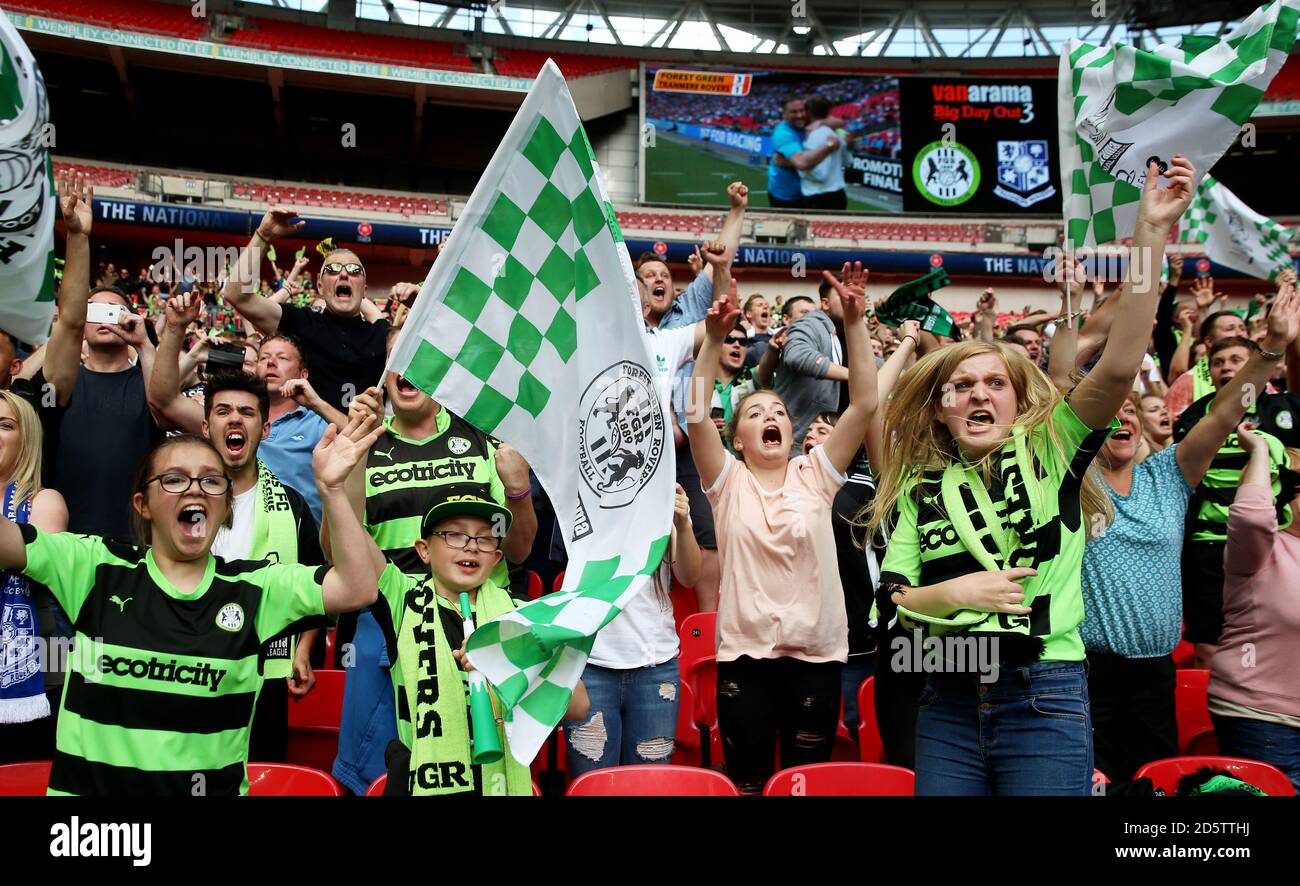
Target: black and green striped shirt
161,685
402,473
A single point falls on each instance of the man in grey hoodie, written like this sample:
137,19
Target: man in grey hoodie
812,377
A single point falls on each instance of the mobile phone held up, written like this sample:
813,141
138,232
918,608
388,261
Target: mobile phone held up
99,312
223,355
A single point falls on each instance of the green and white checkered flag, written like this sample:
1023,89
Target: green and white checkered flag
1234,235
529,325
1120,105
28,207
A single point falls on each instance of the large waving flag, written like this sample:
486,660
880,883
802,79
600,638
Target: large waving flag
1120,105
27,204
1233,234
529,325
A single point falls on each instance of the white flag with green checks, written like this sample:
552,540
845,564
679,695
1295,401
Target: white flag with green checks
28,207
529,325
1233,234
1120,105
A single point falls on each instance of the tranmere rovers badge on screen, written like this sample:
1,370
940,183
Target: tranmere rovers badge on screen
1024,173
946,173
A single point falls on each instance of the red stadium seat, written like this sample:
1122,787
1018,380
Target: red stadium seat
704,683
314,722
845,749
550,767
870,747
287,780
685,604
698,639
1202,743
534,585
558,583
1164,774
653,781
1191,701
842,780
687,750
25,779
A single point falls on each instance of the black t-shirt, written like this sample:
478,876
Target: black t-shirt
340,351
1276,414
854,574
94,445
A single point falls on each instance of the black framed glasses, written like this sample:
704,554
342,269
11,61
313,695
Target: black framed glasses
179,484
459,540
335,268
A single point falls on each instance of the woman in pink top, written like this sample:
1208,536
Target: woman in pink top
1255,674
782,626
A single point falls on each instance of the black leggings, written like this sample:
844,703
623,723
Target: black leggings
1134,720
761,700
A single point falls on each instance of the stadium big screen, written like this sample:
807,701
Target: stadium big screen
916,144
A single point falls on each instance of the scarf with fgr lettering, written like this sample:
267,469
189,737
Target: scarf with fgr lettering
440,738
1202,382
275,537
22,683
996,541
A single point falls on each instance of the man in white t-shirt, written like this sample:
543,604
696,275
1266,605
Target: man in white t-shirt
823,184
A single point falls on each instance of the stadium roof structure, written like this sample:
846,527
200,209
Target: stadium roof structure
938,29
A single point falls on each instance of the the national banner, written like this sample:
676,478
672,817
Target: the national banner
28,206
529,325
1233,234
1121,107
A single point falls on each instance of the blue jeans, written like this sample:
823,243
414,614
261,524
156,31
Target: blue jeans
369,720
1029,733
632,720
1270,743
858,669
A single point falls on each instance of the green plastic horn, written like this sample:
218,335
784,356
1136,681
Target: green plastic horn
487,741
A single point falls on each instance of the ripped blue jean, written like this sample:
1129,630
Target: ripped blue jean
632,720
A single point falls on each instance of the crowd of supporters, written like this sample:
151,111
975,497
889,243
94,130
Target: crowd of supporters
1068,493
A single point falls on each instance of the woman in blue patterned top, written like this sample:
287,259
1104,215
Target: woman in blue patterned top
1132,582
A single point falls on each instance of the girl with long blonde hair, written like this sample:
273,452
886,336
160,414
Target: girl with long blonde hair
984,478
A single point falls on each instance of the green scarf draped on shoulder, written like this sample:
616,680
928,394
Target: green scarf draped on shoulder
275,538
441,743
997,542
1202,383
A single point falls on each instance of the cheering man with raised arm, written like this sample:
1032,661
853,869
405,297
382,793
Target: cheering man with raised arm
344,350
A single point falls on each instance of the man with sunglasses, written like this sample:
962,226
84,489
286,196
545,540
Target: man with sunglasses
345,351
